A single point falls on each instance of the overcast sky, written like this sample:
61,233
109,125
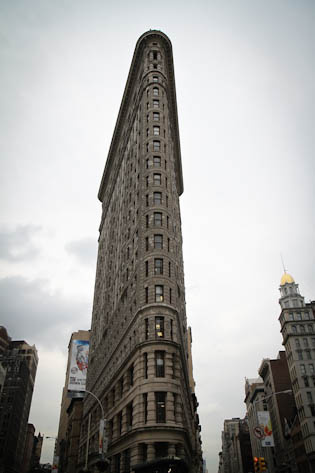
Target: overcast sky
245,88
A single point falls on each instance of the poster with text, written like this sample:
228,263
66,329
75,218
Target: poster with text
78,365
265,424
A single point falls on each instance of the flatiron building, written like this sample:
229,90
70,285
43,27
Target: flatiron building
140,358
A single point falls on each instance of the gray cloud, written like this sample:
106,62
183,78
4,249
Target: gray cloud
17,245
31,313
84,250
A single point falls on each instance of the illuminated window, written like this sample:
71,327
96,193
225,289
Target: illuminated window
159,293
159,327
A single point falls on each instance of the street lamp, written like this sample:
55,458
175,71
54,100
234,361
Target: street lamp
101,435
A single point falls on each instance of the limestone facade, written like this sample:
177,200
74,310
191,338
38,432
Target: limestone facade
138,364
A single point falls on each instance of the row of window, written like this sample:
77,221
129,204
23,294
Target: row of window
310,368
157,198
299,316
156,162
158,267
159,295
305,342
157,180
304,355
157,220
158,242
156,132
302,328
156,146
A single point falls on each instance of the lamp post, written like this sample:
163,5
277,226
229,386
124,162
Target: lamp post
101,433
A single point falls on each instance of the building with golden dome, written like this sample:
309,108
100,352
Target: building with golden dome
297,321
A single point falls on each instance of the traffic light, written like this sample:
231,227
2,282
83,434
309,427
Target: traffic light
262,464
256,464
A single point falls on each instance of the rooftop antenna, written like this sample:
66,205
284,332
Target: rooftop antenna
283,263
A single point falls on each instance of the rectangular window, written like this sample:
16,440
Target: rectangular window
156,161
157,218
147,200
159,293
170,295
145,365
155,91
157,179
147,243
156,116
146,290
309,397
310,328
168,244
129,416
160,407
157,198
158,266
158,242
169,269
159,364
156,103
171,329
156,130
119,422
155,79
145,407
311,368
156,145
303,369
130,376
159,327
147,221
146,269
297,343
146,328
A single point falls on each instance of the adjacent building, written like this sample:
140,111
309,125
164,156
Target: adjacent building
140,363
298,332
66,441
19,361
236,455
282,410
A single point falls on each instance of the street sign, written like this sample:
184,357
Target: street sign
259,433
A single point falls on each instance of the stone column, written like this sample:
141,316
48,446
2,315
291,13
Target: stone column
170,407
124,421
151,451
168,365
135,455
171,450
151,364
151,407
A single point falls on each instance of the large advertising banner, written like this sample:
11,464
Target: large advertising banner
78,366
265,424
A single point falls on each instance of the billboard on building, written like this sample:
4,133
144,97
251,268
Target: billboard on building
78,367
265,424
